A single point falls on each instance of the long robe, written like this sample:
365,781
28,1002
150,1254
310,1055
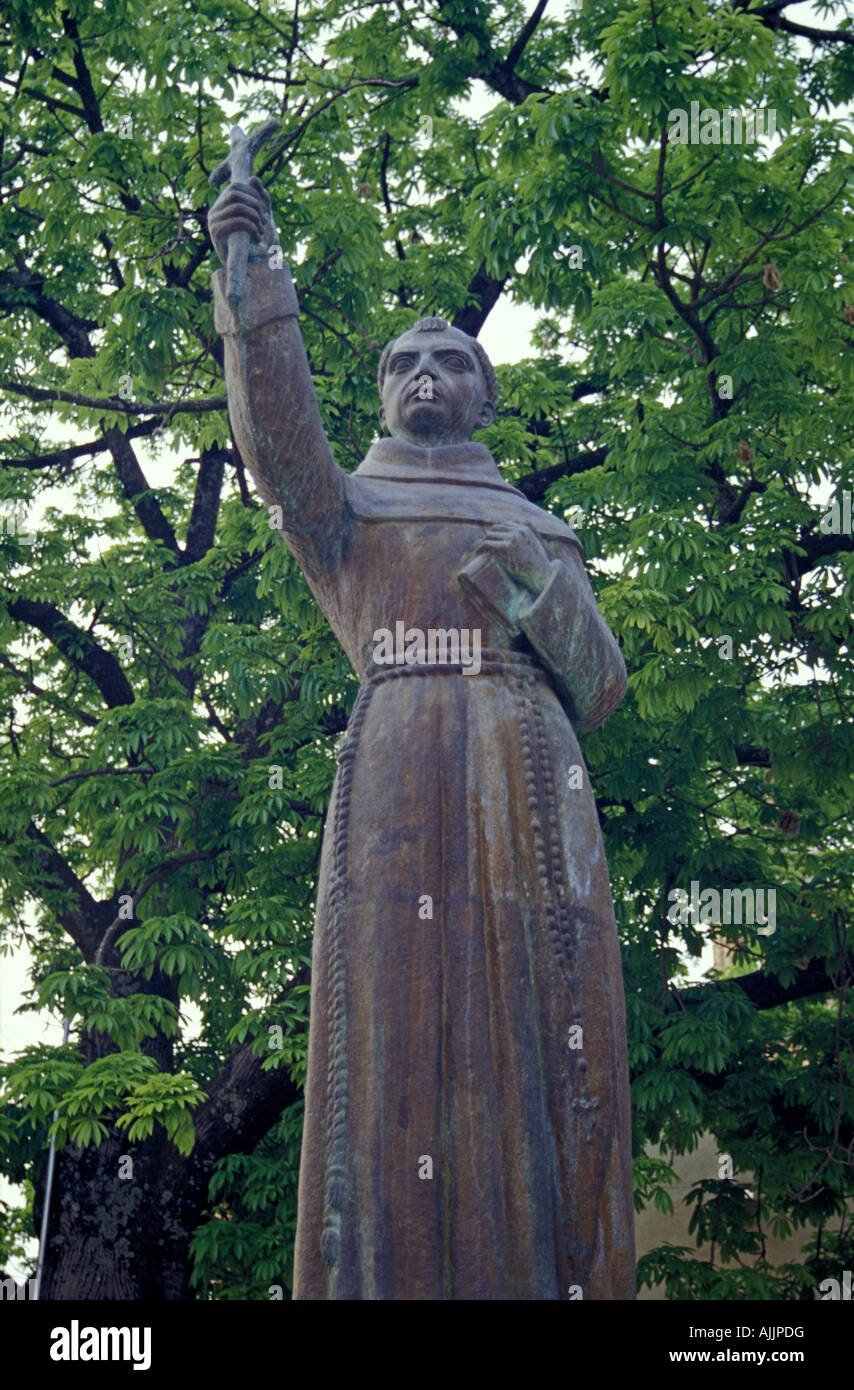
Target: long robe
467,1131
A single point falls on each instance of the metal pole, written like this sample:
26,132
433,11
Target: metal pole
51,1160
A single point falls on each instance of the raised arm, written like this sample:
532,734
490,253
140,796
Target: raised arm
271,400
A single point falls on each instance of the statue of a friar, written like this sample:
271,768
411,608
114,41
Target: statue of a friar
467,1131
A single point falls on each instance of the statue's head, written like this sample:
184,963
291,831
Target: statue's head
437,385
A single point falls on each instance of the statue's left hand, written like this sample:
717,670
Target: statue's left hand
520,551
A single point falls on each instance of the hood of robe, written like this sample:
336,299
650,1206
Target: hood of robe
453,482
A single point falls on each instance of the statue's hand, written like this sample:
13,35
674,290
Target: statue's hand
520,551
243,207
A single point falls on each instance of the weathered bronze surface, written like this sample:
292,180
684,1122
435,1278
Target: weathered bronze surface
467,1129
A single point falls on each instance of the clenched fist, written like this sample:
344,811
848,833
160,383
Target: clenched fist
243,207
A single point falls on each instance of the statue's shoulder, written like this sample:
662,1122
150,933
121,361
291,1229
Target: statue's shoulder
375,499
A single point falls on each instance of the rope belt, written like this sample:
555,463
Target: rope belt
493,662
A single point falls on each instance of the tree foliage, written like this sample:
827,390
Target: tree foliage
171,695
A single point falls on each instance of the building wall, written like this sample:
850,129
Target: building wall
654,1228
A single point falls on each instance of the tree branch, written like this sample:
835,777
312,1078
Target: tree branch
138,492
525,35
78,648
482,295
202,524
244,1101
65,458
114,405
497,73
51,879
779,24
818,547
750,755
766,991
536,485
27,288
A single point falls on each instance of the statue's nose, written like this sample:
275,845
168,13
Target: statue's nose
417,377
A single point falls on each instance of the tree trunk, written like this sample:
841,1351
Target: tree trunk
115,1237
122,1232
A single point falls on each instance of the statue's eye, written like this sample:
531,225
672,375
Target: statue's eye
457,361
402,363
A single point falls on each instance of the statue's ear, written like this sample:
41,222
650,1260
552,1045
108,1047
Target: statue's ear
486,416
382,417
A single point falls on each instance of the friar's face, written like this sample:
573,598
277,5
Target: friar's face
434,390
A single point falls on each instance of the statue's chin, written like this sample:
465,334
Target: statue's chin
430,427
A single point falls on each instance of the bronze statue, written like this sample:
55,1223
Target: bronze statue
467,1131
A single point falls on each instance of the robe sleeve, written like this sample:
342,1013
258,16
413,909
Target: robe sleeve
274,413
568,633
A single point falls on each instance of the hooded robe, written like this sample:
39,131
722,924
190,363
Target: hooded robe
467,1131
